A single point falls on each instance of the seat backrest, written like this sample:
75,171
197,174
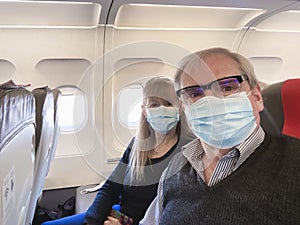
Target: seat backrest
17,136
44,140
291,107
57,106
282,108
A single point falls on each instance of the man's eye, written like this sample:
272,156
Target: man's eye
195,94
153,105
168,104
228,88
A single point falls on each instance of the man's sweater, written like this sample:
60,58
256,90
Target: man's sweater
264,190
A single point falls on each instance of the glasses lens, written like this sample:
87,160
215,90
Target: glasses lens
192,94
225,87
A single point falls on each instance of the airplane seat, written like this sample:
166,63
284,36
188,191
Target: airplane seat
281,113
17,140
44,140
57,106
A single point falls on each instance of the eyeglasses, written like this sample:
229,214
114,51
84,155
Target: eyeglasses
220,88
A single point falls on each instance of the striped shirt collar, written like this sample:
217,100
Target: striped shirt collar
193,151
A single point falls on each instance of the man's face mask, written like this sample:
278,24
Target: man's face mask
162,119
222,122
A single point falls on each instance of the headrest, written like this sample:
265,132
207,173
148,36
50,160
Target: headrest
43,103
57,100
282,108
17,107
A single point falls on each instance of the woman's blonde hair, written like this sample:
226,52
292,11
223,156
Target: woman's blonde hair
145,140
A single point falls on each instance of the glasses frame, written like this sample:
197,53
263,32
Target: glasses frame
240,79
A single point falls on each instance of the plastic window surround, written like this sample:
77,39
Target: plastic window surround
129,106
73,112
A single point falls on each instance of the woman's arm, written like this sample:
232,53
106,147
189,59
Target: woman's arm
109,193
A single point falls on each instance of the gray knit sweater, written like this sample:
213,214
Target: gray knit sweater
265,190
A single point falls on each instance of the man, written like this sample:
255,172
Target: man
233,173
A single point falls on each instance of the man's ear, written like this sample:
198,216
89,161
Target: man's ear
256,93
180,111
181,107
144,110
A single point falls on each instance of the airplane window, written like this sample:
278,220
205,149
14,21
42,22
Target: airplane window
129,106
73,113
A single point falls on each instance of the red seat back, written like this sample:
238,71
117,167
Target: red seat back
282,108
290,94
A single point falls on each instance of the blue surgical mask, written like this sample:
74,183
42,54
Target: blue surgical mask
162,119
222,122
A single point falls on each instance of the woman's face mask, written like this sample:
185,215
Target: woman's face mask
162,119
222,122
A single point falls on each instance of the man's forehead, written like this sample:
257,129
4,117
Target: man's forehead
196,71
197,79
200,72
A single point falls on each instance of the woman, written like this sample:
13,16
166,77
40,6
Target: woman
133,184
